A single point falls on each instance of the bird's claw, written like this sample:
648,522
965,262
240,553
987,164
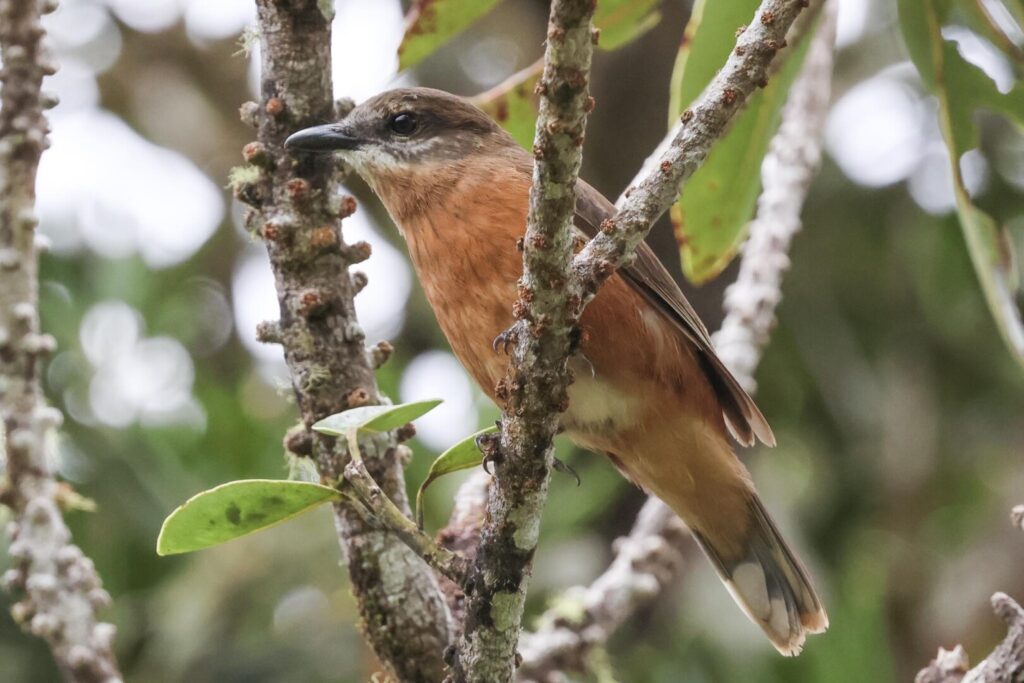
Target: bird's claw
565,468
577,338
504,341
490,446
584,364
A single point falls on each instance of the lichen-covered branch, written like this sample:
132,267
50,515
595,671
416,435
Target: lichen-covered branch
1005,664
786,176
535,387
648,559
645,563
61,589
297,212
707,120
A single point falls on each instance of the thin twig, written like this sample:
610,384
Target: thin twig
62,591
297,209
645,562
537,381
369,493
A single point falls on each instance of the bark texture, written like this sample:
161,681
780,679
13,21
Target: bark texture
536,384
61,589
297,213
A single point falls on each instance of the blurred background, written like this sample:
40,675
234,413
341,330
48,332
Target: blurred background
899,413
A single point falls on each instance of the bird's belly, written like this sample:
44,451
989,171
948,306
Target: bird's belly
598,408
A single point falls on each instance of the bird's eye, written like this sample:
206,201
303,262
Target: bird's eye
404,123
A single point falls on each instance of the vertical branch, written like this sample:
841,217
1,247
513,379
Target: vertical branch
647,561
62,590
297,212
535,387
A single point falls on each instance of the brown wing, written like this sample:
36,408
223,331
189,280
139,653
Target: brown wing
649,277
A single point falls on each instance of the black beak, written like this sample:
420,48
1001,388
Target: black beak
328,138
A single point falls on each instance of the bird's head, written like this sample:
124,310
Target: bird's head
404,131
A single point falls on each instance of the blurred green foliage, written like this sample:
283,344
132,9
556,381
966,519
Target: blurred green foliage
961,89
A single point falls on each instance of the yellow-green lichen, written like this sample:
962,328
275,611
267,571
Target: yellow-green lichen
505,610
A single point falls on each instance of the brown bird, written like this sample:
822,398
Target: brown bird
650,392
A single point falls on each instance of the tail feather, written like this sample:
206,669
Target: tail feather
770,584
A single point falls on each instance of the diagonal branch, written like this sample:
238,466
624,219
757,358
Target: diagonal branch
1005,663
646,563
535,387
62,591
649,559
707,120
297,212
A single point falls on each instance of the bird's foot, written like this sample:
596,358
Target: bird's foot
565,468
490,446
577,359
579,363
506,340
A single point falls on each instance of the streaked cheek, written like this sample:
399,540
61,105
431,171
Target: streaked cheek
373,159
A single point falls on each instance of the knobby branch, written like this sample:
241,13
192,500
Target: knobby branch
297,211
60,589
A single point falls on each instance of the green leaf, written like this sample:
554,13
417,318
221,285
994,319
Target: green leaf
710,218
623,21
980,20
513,103
432,23
236,509
961,89
461,456
374,418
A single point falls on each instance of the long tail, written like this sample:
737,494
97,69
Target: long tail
769,583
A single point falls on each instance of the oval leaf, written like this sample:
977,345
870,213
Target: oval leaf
235,509
374,418
461,456
432,23
710,218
